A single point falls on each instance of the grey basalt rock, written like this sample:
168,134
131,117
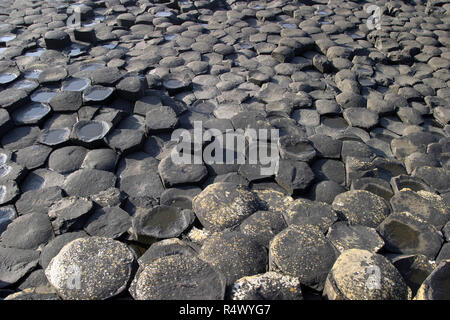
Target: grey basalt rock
53,247
164,248
296,148
361,275
262,226
30,231
69,214
88,182
173,173
57,40
414,269
435,286
302,252
425,205
178,277
67,159
38,201
346,236
93,268
234,255
223,205
110,222
406,233
267,286
15,263
294,175
161,222
362,207
303,211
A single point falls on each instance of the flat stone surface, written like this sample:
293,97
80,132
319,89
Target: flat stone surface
88,182
15,263
302,252
267,286
223,205
345,236
362,207
405,233
177,277
234,255
30,231
99,267
353,277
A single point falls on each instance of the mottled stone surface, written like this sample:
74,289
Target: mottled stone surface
362,275
90,269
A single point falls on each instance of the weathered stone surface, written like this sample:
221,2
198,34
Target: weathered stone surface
303,211
91,268
15,263
30,231
268,286
56,244
406,233
88,182
414,269
362,207
110,222
425,205
234,255
362,275
224,205
435,286
294,175
345,236
178,277
262,226
302,252
161,222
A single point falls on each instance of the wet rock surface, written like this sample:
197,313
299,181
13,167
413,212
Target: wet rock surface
90,116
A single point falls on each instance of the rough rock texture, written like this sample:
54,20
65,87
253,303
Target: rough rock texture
178,277
436,286
224,205
91,268
362,275
267,286
302,252
234,255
